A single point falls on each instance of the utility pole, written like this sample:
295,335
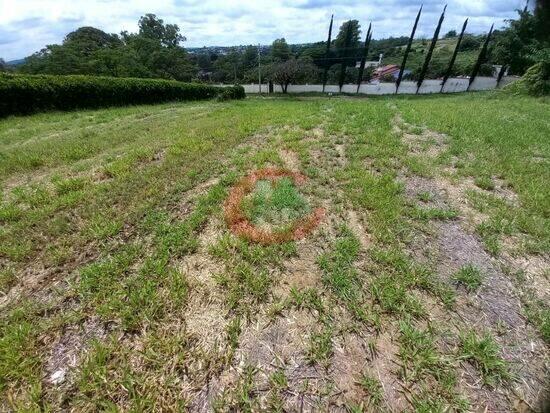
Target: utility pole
259,71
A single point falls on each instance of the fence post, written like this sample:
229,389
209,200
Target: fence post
364,57
407,50
327,53
430,51
453,58
480,58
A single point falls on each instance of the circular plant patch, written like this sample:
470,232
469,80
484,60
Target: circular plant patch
267,207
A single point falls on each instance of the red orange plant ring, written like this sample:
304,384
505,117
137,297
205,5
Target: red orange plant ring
241,226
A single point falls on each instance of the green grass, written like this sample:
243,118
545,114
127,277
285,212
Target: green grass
483,352
372,388
115,216
469,276
275,204
485,182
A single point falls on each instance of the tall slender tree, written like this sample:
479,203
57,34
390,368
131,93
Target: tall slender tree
481,57
430,51
364,57
453,58
407,51
345,56
327,53
501,72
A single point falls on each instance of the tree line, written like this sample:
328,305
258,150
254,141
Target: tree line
156,51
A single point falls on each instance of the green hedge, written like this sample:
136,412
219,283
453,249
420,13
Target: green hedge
23,94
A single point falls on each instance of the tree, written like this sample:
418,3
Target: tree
250,57
450,34
228,68
152,52
292,70
154,28
470,42
280,51
86,40
355,37
3,65
522,44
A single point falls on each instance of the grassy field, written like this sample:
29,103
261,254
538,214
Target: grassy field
425,287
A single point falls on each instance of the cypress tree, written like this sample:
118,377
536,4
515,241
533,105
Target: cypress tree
364,57
430,51
327,54
407,51
453,58
501,73
344,57
480,57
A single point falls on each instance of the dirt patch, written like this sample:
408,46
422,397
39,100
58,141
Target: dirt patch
348,363
67,350
290,159
302,271
495,307
280,346
382,366
421,141
354,223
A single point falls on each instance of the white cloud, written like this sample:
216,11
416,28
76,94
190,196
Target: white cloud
28,25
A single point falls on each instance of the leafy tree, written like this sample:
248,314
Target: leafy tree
450,34
154,28
470,42
152,52
290,71
250,57
355,37
87,40
522,44
3,65
228,68
280,51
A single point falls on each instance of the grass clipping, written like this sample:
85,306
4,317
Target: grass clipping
265,207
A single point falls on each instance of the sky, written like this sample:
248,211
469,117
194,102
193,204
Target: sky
26,26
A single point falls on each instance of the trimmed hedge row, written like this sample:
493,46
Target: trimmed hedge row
23,94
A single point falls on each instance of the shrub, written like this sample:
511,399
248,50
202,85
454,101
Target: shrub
535,82
232,92
22,94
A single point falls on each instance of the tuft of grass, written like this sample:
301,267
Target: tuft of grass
245,286
320,346
425,196
7,279
308,298
484,182
393,297
68,185
469,276
20,361
233,332
373,389
275,203
483,352
339,273
10,212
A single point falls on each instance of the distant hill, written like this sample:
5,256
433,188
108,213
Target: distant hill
16,62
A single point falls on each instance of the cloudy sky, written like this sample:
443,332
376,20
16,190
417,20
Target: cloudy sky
28,25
